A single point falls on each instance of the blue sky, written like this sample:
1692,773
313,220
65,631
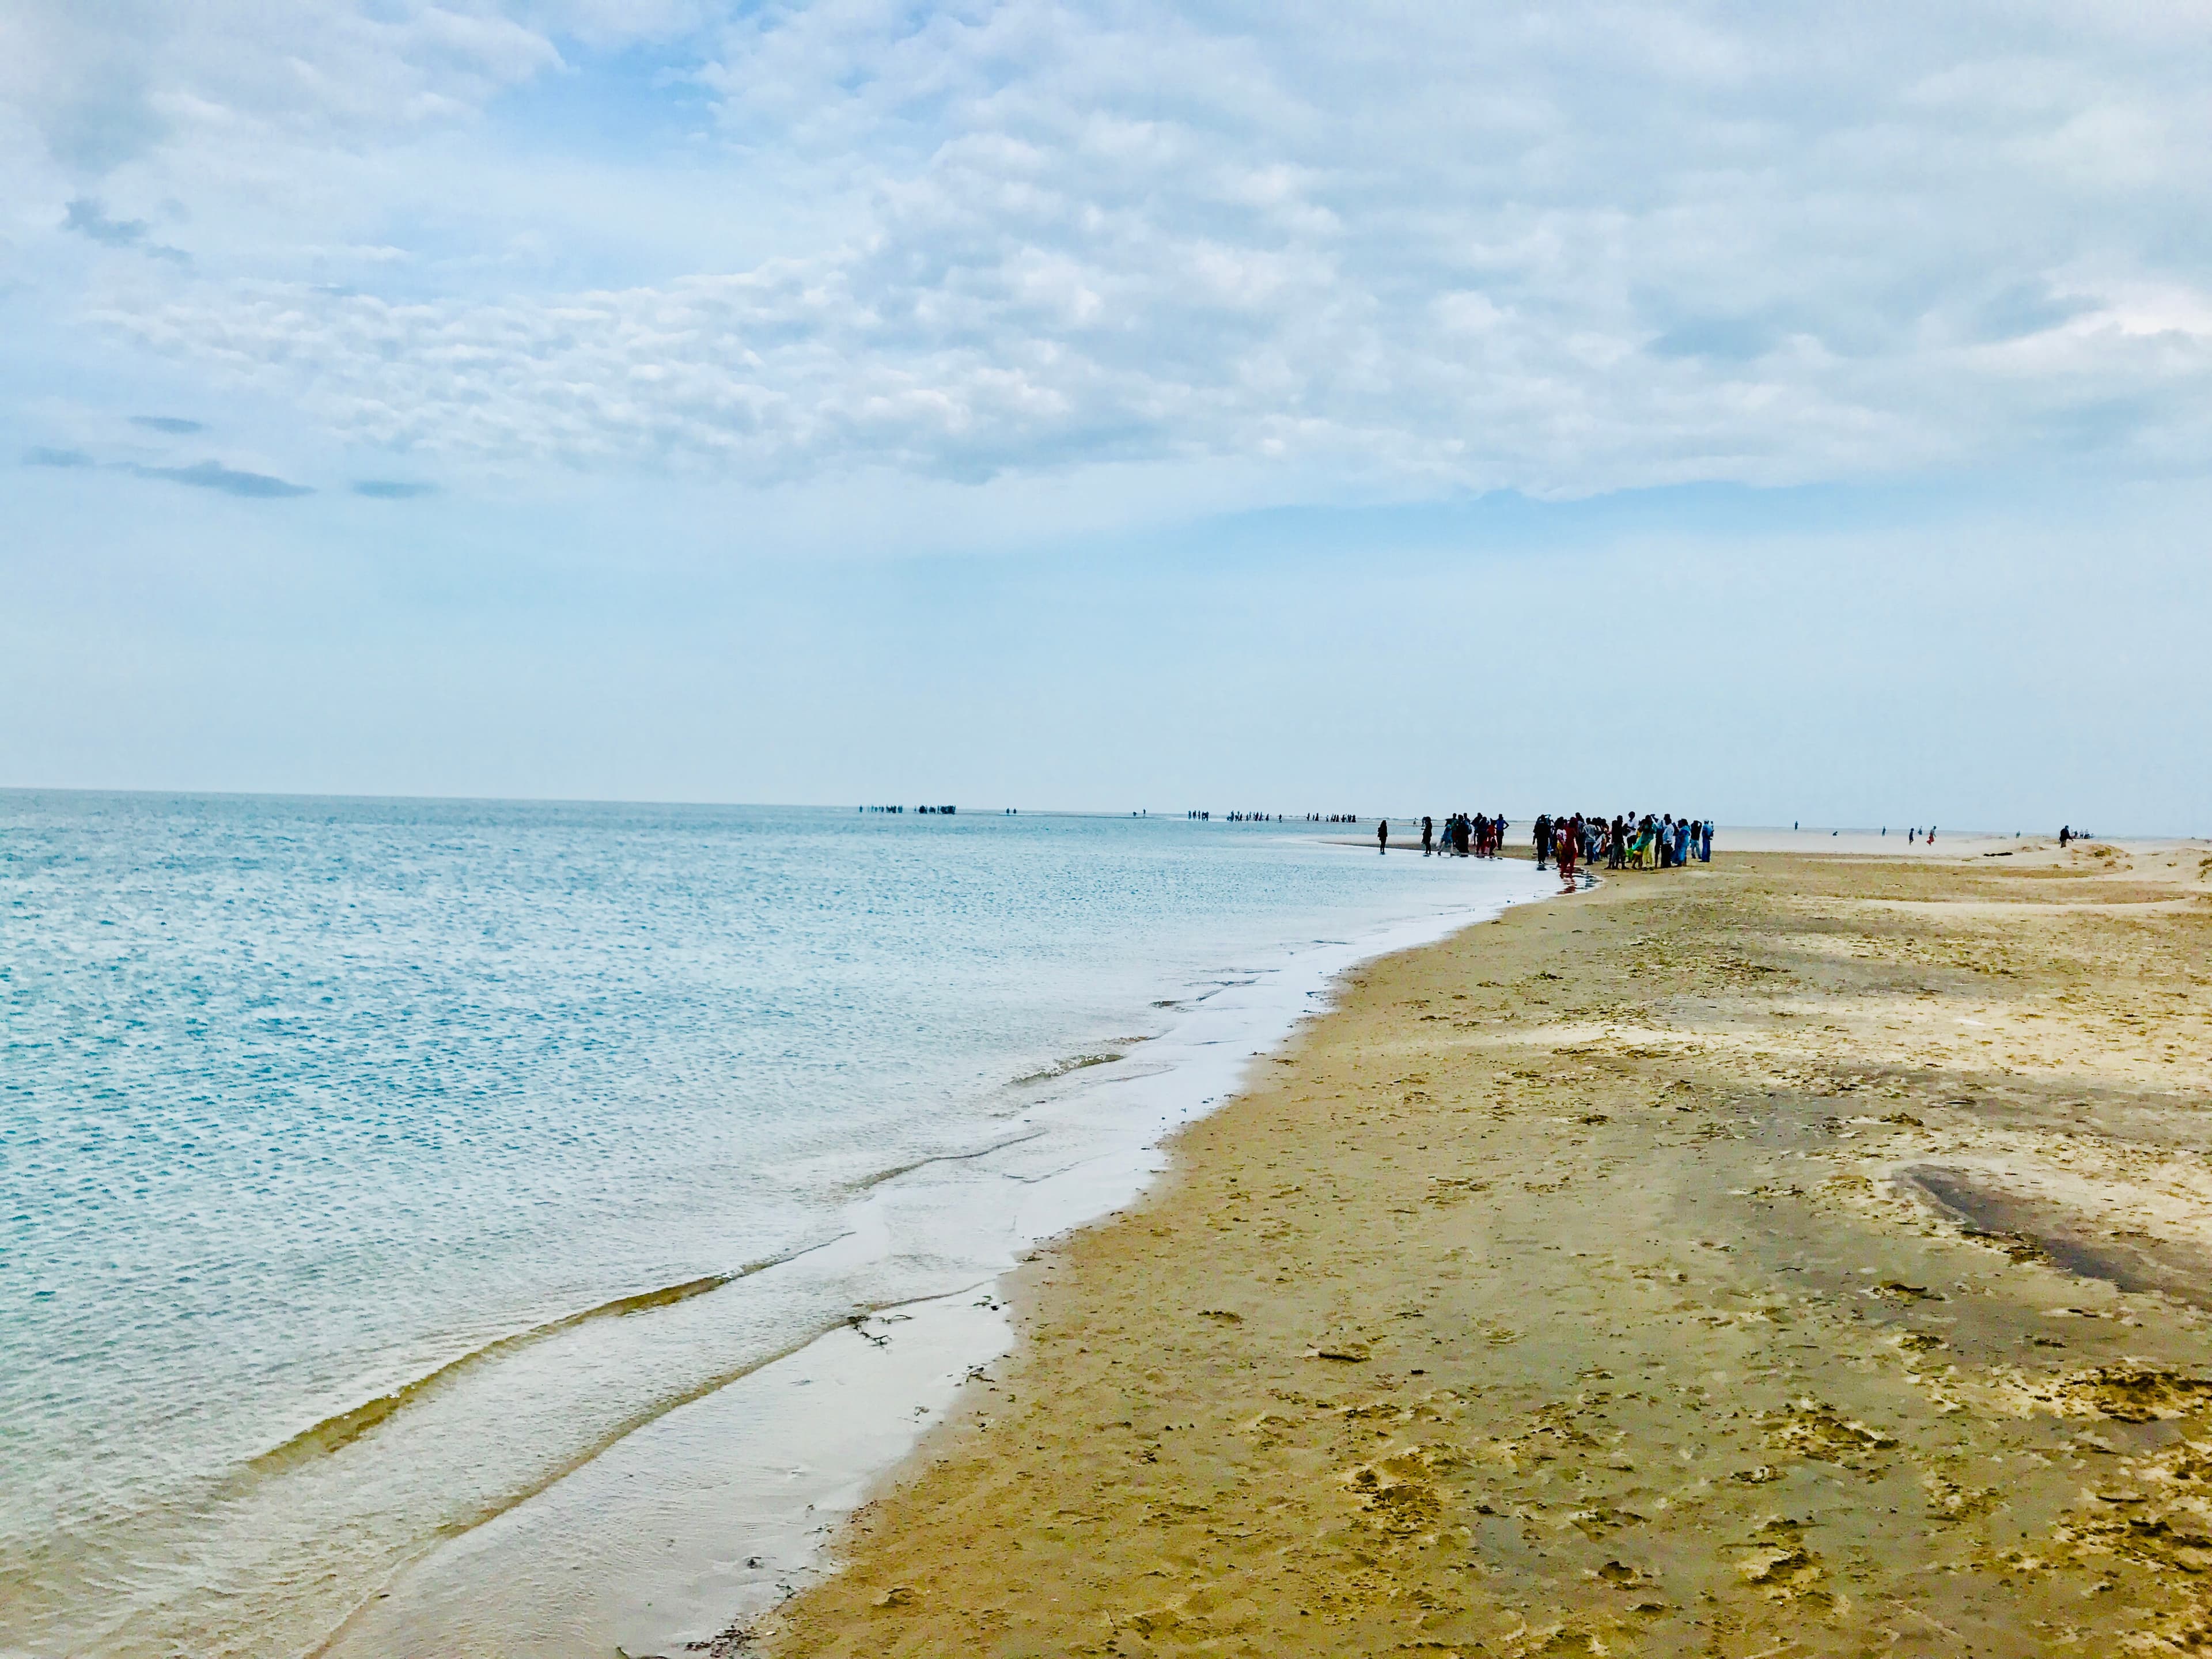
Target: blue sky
1757,412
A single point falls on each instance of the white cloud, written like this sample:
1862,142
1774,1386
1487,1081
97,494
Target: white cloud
105,81
1563,250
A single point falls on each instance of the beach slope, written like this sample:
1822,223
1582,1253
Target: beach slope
1790,1255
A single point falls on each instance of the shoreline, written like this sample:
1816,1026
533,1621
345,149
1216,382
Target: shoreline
1710,1262
740,1489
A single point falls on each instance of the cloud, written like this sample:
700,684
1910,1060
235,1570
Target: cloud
89,220
1589,247
210,475
82,76
106,84
392,489
167,423
205,475
109,83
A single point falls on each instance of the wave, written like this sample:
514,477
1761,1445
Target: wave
344,1428
491,1510
1060,1068
855,1320
896,1171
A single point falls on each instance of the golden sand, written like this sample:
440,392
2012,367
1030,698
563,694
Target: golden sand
1792,1255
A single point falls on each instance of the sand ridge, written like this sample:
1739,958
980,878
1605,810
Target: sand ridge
1790,1255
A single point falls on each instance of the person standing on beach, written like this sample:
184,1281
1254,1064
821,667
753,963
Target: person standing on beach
1428,835
1382,837
1543,838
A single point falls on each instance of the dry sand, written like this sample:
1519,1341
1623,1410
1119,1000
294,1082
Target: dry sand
1793,1255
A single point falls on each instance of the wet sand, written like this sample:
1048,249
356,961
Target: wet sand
1790,1255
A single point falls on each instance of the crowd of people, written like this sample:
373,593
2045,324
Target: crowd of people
1625,842
1464,836
1575,843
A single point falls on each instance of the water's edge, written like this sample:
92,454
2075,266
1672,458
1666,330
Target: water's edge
704,1517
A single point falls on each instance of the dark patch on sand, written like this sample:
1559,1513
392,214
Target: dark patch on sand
2027,1228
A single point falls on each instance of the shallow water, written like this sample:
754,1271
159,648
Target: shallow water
369,1165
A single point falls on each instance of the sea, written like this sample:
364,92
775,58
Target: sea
410,1210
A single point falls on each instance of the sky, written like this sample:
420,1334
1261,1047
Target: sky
1768,413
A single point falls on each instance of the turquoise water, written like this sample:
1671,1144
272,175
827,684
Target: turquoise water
365,1164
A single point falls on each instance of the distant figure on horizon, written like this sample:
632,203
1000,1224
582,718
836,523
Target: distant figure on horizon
1382,837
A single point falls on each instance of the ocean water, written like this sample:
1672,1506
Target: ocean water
368,1167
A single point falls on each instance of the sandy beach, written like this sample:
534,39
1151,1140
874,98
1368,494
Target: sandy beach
1796,1255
